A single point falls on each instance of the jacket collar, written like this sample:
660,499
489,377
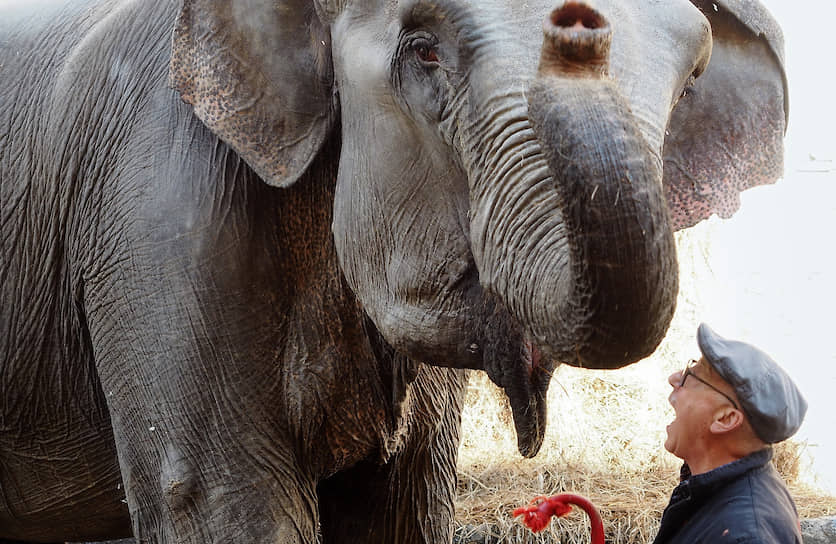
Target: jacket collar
708,483
694,491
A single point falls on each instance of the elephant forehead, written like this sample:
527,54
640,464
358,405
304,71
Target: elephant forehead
656,45
633,21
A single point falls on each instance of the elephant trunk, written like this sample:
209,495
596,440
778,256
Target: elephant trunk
594,276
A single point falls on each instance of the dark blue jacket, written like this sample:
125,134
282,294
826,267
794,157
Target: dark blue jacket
744,501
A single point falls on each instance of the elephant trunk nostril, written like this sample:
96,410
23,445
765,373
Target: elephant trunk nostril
576,42
577,16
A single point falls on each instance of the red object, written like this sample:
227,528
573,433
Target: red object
539,512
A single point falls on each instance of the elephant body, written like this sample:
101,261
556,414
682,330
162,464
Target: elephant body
215,324
189,259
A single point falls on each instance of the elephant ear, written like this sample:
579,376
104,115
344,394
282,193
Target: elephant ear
259,75
726,133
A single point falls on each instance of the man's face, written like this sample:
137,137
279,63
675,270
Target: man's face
695,404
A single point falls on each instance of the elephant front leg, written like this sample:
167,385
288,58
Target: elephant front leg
204,448
379,504
411,497
212,482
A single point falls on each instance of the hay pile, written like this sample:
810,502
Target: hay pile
604,440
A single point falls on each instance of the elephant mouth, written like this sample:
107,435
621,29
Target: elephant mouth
528,399
481,335
527,391
513,362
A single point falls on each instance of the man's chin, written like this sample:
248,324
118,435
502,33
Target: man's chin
668,441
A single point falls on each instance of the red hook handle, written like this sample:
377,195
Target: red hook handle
538,513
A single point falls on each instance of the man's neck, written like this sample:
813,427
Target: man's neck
704,465
710,458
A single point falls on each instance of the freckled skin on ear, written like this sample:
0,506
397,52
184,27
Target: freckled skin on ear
726,133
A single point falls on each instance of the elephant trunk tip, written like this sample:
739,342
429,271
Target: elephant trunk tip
576,15
576,42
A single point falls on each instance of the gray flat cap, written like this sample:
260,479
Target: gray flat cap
768,397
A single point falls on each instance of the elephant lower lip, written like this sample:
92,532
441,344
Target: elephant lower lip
530,413
526,385
531,355
516,364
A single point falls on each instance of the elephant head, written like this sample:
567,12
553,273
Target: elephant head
499,202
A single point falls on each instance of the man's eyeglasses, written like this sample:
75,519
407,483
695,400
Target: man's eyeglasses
689,371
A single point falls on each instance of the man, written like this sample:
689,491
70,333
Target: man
730,406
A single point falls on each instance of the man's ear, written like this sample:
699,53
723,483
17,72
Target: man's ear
726,419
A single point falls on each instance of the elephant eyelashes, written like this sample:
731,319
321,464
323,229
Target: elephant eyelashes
425,52
689,85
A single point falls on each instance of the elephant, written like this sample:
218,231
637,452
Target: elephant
251,250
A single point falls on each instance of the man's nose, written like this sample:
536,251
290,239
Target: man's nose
675,379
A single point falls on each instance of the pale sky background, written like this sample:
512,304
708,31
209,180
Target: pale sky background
772,265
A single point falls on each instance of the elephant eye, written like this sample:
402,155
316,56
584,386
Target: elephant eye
689,85
425,51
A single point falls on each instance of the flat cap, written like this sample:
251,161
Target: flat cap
769,398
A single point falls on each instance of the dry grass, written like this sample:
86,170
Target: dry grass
604,440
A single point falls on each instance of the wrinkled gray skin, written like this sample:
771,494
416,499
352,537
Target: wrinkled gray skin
249,247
